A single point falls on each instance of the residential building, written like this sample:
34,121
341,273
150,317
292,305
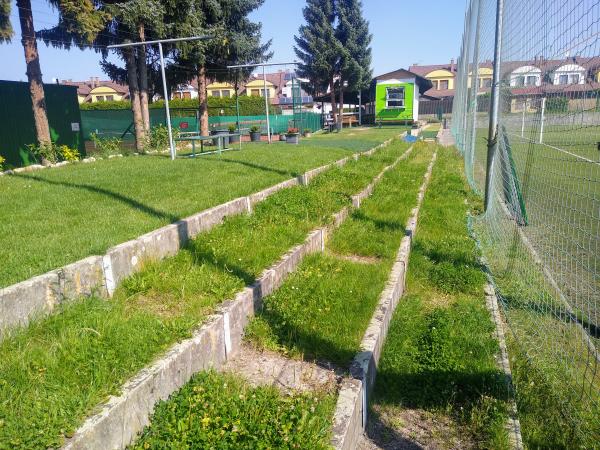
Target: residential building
96,90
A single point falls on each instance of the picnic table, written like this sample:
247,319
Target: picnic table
193,138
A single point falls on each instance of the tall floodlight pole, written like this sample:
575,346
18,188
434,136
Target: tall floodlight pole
162,71
359,107
263,65
495,101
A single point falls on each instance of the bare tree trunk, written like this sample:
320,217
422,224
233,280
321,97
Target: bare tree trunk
203,100
341,120
333,103
143,74
34,74
134,95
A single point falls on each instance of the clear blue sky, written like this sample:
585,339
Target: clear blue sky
404,32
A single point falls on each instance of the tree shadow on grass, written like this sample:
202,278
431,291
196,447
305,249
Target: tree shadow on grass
384,225
307,340
217,159
202,254
146,209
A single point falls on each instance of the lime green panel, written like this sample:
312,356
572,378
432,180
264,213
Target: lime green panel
406,113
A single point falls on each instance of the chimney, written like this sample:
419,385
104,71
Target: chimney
92,82
452,65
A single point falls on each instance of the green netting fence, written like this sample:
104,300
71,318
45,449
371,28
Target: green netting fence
119,123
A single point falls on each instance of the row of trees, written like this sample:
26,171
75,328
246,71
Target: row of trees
334,49
96,24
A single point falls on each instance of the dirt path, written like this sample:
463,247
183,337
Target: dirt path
270,368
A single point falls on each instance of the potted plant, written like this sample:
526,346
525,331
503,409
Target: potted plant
232,129
307,133
255,133
292,136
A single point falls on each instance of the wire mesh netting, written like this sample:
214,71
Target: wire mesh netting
540,232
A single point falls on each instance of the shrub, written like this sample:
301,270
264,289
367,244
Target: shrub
557,104
231,128
106,146
292,130
157,139
254,129
67,153
53,153
2,163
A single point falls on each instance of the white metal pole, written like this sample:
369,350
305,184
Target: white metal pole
542,120
359,108
523,119
266,104
164,81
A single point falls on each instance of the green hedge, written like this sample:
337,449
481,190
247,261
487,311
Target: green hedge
249,106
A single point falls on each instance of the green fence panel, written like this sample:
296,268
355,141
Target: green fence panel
119,123
17,128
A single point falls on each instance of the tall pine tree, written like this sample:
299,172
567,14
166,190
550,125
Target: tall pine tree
353,34
318,48
236,40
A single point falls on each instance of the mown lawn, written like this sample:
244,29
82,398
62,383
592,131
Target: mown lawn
54,372
54,217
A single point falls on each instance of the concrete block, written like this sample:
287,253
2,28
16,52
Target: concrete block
21,302
309,175
236,315
165,241
125,259
348,416
214,216
83,278
342,162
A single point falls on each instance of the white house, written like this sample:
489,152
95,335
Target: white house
568,74
526,76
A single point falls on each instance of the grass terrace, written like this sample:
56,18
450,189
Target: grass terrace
57,370
57,216
438,384
322,310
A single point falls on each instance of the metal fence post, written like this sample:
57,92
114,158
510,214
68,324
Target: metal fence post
475,81
495,104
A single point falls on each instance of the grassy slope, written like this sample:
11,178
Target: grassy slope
439,353
55,217
56,370
323,309
320,311
222,411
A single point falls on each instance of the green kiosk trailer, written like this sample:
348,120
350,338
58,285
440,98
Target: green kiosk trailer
397,96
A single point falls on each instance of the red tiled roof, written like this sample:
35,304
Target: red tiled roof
85,87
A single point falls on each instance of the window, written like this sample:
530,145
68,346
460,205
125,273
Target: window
443,85
262,92
563,79
574,78
255,92
100,98
531,80
520,81
226,93
485,82
435,84
110,98
187,94
216,93
394,97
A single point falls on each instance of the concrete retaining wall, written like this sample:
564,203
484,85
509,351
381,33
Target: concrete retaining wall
100,275
219,339
350,417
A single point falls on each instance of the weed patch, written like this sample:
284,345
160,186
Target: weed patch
222,411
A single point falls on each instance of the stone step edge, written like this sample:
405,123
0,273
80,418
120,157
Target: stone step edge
350,416
122,417
99,275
